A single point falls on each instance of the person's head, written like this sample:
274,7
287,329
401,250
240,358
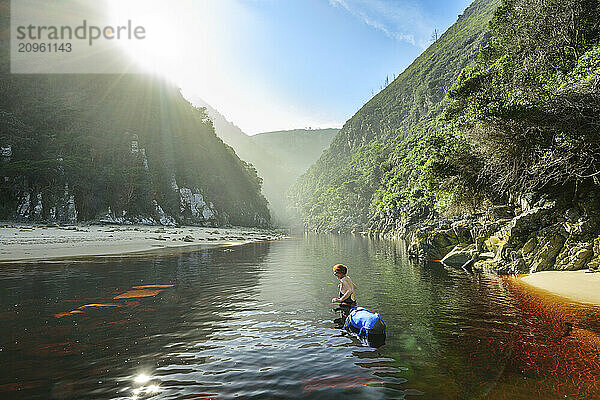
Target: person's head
340,270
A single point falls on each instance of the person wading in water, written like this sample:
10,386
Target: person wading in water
347,290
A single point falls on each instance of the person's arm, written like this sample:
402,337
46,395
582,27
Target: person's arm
346,295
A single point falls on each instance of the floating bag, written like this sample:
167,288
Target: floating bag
364,322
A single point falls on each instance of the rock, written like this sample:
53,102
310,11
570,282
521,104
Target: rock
595,261
500,212
529,246
525,201
162,217
531,220
572,215
459,255
193,206
188,238
427,244
480,244
495,243
462,232
550,242
574,255
517,266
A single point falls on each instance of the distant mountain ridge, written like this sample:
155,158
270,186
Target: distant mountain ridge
279,157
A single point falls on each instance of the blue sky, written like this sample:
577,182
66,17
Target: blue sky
284,64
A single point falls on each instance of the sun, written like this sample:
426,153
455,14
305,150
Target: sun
163,49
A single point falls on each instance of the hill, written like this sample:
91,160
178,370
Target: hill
340,191
279,157
121,148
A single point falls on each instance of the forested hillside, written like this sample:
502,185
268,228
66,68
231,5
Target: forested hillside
485,152
294,151
381,145
124,148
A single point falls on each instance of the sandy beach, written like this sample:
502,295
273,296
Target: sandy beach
575,285
40,242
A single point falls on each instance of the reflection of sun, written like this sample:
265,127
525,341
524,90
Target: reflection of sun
152,389
141,378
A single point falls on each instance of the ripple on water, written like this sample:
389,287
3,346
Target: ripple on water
266,330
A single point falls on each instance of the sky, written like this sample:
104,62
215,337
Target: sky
284,64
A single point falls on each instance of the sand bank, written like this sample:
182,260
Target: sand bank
30,242
575,285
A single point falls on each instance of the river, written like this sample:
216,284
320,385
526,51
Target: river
255,322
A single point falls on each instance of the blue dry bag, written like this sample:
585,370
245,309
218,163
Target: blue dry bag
364,322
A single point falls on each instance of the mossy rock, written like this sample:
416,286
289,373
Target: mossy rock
574,255
496,243
435,244
529,246
594,263
549,245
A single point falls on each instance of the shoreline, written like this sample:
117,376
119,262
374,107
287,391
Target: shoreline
577,286
32,243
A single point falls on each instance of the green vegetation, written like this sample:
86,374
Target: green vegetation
279,157
373,168
77,136
521,115
530,105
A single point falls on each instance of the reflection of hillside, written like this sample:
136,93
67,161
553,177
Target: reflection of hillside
258,318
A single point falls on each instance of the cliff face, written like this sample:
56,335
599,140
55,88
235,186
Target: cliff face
126,149
337,192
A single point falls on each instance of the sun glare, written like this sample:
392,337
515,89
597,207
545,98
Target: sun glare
202,47
141,378
167,31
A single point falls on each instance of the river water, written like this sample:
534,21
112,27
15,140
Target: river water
255,322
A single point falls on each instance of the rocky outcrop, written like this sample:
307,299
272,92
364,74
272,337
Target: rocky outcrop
460,255
51,206
594,263
193,208
524,237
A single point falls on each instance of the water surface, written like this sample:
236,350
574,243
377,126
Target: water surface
255,321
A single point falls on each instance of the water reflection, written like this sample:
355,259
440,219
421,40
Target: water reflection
255,322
